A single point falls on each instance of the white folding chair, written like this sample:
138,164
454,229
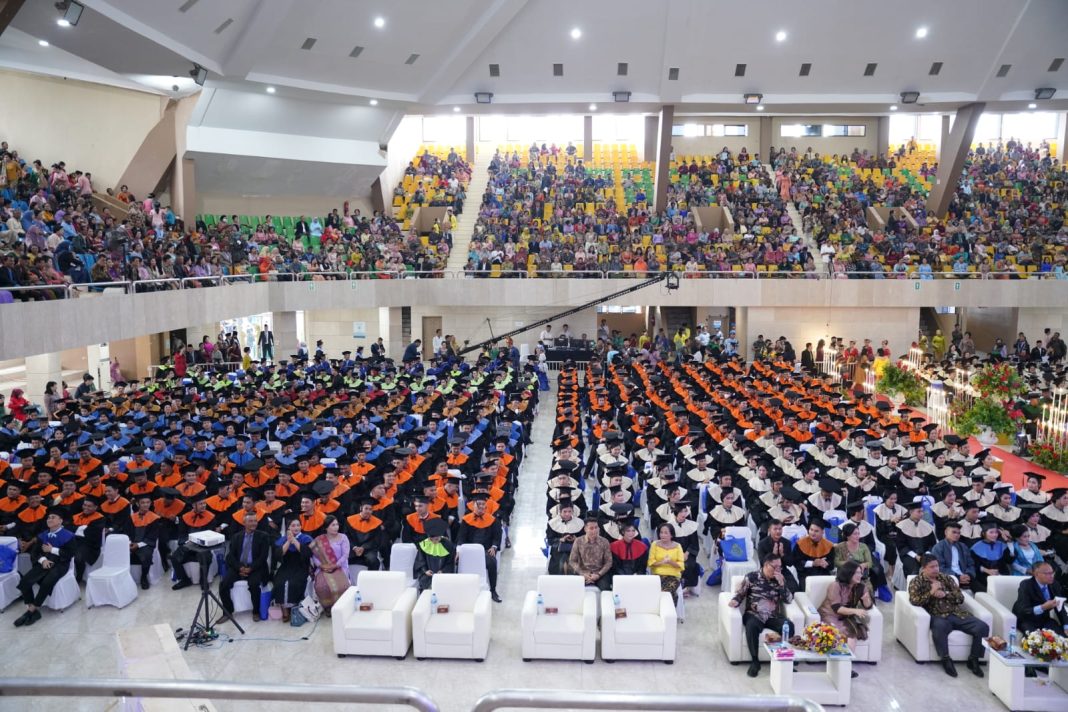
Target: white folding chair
111,584
9,582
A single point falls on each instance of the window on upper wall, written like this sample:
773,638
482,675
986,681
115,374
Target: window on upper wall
842,130
729,130
798,130
616,309
688,130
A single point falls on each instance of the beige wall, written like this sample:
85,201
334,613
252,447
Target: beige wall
1033,322
711,145
827,146
801,325
989,323
92,127
470,322
293,205
334,327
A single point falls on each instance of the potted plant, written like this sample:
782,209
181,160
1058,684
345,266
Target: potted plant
1051,456
901,386
993,413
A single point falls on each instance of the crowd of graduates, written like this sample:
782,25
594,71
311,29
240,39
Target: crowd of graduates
309,468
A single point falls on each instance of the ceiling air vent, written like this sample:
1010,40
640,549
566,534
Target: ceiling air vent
558,70
412,59
739,70
226,23
187,5
1003,70
356,51
673,74
806,68
936,68
308,43
495,70
621,69
1056,64
869,69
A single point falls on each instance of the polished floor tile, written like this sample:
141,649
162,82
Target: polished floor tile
82,643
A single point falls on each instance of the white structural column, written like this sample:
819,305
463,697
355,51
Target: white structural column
285,335
98,363
40,370
389,328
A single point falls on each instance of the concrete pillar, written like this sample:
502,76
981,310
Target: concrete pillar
741,330
98,357
40,370
882,135
1062,142
954,152
587,138
184,190
765,138
470,139
285,334
651,137
663,156
944,139
389,329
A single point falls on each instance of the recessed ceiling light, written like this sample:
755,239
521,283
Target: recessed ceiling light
455,108
43,43
1032,106
893,107
374,102
593,107
380,22
780,36
575,33
921,33
62,22
760,107
270,90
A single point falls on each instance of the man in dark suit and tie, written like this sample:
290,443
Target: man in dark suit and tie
246,560
1036,604
301,227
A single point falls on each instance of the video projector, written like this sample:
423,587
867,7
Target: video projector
207,539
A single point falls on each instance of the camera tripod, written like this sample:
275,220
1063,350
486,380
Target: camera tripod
202,629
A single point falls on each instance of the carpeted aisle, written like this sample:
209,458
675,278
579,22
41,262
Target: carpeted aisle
1013,468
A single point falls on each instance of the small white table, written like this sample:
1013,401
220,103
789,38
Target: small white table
828,687
1019,692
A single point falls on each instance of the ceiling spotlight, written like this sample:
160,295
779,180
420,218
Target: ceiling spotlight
593,107
921,33
1032,105
910,97
374,102
270,90
455,108
893,107
760,107
72,13
483,97
575,33
380,22
753,98
43,43
780,36
199,74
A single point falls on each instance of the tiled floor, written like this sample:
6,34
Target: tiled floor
81,643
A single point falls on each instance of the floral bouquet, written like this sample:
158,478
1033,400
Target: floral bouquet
821,638
998,381
1045,645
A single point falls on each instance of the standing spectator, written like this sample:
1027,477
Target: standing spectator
51,399
17,405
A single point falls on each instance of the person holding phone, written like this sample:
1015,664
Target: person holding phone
762,596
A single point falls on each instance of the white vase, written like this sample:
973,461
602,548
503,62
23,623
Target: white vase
898,400
986,436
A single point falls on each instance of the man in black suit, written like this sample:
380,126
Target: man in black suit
301,227
51,556
1036,605
246,560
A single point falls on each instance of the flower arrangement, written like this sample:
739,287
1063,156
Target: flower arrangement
821,638
897,381
1002,418
1045,645
1051,456
998,381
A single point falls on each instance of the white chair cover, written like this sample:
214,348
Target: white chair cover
111,584
472,560
9,582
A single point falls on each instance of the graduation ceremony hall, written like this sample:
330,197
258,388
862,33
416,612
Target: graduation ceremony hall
531,354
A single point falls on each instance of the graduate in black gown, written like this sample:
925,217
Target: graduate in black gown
435,554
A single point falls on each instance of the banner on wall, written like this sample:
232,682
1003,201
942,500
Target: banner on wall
359,329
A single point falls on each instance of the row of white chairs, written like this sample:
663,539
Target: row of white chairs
381,615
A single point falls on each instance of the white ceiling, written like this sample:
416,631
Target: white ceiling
705,39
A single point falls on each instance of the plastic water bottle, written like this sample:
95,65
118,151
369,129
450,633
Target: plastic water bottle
541,603
616,601
359,599
433,603
785,633
1012,640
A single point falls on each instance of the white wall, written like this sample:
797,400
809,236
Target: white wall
711,145
827,146
403,145
800,325
92,127
334,327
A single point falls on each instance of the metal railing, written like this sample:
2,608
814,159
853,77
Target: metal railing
408,696
606,700
216,690
73,291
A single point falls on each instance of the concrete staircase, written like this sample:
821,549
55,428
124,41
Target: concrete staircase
465,223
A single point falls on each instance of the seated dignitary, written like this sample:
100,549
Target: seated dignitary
762,596
939,595
51,554
591,557
246,560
